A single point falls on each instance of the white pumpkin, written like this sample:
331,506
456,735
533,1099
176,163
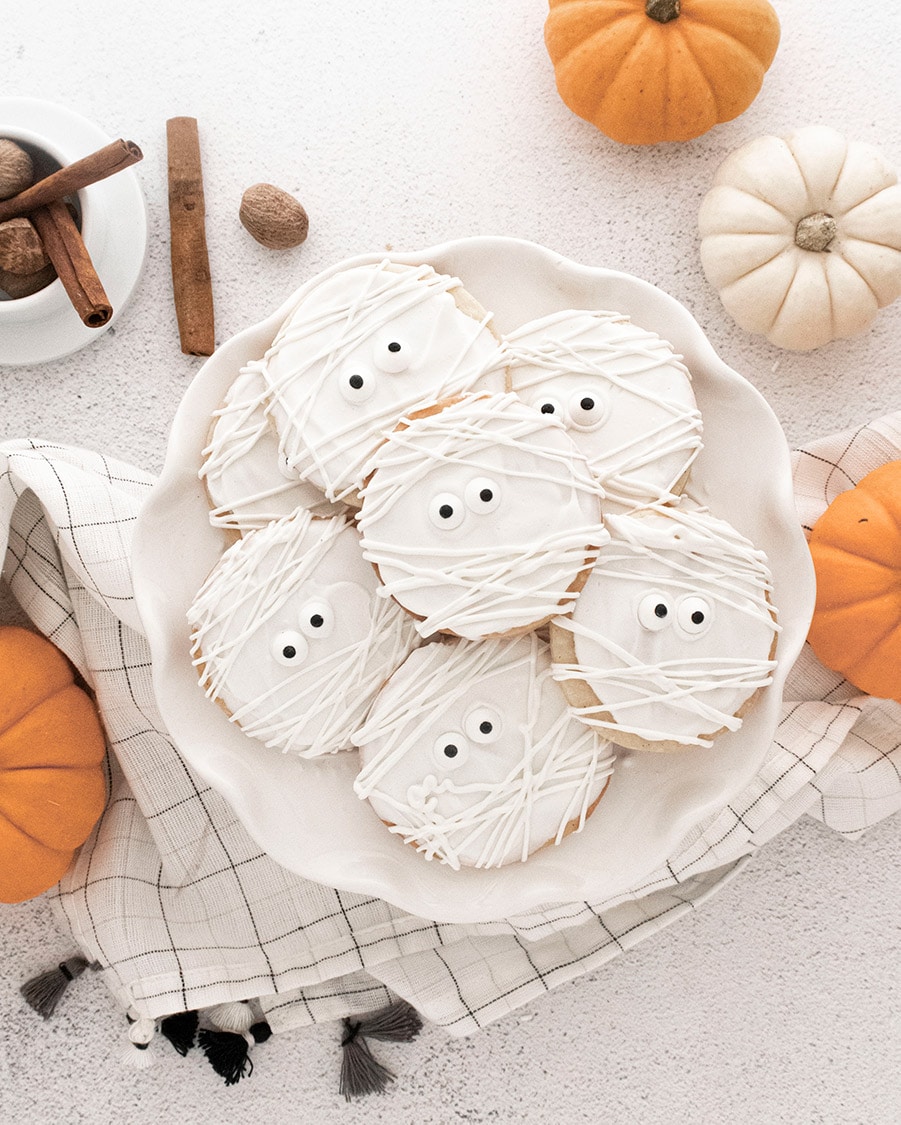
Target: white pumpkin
801,236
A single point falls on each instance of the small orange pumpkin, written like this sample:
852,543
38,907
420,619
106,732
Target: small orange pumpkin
52,785
644,71
856,548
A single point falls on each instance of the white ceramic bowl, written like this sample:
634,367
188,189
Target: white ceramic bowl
304,813
44,326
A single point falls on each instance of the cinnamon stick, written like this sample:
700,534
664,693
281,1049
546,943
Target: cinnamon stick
191,281
79,174
70,258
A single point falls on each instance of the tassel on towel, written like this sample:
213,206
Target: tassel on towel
361,1072
229,1053
45,991
180,1029
138,1054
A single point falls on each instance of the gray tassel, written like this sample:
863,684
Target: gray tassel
44,991
361,1072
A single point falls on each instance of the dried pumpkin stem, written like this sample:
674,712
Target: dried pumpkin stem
815,231
662,10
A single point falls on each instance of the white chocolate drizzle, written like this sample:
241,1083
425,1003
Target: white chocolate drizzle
489,812
688,697
478,586
646,445
255,589
324,439
240,465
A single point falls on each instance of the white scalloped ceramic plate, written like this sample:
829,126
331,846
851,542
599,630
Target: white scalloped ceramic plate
304,813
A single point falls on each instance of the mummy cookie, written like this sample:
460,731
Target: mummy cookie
289,637
624,397
673,634
364,345
471,755
481,517
246,481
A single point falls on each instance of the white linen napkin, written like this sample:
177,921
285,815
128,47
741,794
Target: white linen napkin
183,911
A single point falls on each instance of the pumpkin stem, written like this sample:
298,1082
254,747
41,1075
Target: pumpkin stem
662,10
815,231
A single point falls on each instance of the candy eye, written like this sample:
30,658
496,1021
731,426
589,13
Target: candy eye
483,725
451,750
587,409
356,383
289,648
317,619
446,511
694,615
392,354
547,404
655,612
482,495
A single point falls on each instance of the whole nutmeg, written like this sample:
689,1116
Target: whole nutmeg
17,285
273,217
21,249
16,168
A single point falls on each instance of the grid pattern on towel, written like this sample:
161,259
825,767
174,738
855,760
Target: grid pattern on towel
183,910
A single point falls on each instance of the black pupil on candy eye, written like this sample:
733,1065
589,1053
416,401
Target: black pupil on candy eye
450,751
697,617
316,621
289,652
660,610
394,346
356,381
547,408
486,727
486,495
445,511
587,404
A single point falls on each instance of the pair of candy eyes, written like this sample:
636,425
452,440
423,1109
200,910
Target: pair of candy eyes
481,496
691,614
584,410
290,646
358,379
482,726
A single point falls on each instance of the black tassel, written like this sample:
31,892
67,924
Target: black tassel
44,991
229,1054
180,1029
361,1073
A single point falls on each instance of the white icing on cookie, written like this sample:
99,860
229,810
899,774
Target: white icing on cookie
673,630
480,517
246,482
289,636
364,345
471,754
622,394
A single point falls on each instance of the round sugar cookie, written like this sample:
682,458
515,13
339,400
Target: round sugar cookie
673,634
625,398
247,482
471,755
289,636
481,517
364,345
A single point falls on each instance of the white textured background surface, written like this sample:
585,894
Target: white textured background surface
405,123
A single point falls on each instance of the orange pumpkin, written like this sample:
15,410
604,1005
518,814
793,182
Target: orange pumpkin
52,785
856,548
645,71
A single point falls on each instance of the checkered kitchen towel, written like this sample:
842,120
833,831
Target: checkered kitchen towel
182,910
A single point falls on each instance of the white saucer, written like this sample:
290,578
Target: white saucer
305,813
118,244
